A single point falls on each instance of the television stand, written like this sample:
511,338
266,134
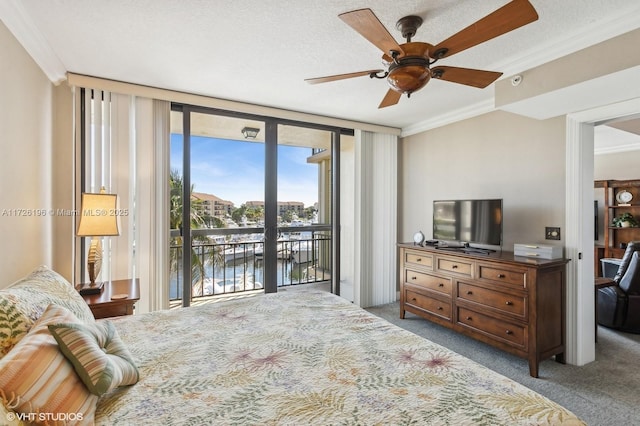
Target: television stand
464,248
477,250
450,248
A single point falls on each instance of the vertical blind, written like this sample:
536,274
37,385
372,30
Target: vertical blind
124,148
376,177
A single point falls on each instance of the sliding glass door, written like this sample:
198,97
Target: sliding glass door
304,203
250,205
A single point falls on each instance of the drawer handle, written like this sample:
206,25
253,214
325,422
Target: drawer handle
509,302
469,292
454,266
439,308
419,259
509,332
414,299
469,319
441,285
414,278
500,275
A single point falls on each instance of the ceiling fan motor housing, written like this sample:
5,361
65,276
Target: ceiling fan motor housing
409,72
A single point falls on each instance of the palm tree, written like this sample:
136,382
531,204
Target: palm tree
200,256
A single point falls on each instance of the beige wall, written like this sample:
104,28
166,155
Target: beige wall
497,155
25,166
610,56
30,165
620,166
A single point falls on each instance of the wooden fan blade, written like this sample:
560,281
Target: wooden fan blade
467,76
369,26
509,17
391,98
340,76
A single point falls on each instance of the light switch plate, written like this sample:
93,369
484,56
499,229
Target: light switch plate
552,233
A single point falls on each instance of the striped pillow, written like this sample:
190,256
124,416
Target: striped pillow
37,380
98,355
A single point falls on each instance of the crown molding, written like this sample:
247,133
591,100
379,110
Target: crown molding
18,21
617,149
450,117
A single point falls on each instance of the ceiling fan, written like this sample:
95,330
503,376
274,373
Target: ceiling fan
409,64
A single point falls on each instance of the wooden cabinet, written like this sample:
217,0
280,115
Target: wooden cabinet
514,303
616,237
118,298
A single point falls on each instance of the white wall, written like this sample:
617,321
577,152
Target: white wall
497,155
25,163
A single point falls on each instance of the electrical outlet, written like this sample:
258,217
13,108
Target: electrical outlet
552,233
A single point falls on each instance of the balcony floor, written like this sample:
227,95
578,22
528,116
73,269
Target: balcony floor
324,286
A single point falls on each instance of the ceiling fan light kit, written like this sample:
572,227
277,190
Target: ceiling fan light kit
411,72
409,64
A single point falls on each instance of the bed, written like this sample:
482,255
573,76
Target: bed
296,357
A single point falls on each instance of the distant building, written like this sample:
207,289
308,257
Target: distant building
296,207
210,205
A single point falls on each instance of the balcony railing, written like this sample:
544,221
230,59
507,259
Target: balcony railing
231,260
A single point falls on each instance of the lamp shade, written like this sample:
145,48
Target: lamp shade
98,216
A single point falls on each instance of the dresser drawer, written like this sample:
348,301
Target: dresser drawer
501,330
513,277
432,282
435,306
504,302
454,265
417,258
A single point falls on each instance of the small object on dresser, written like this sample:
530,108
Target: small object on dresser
541,251
89,288
418,238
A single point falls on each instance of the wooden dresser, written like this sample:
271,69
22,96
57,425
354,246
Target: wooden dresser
514,303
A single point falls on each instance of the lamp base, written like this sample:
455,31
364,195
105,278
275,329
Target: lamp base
95,288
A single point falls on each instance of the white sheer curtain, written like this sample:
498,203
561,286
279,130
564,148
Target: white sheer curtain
369,219
126,151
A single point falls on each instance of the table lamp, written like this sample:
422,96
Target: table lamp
98,219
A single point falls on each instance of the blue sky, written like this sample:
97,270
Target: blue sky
234,170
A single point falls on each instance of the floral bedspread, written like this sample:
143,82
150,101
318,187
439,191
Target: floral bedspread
306,358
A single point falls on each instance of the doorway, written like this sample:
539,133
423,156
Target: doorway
250,203
579,187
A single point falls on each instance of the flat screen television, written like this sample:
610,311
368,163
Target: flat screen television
468,221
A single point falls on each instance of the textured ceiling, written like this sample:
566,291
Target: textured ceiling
261,51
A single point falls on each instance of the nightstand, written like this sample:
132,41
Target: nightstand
103,305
